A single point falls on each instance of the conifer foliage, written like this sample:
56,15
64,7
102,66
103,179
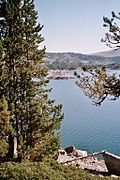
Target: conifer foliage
5,126
97,83
33,116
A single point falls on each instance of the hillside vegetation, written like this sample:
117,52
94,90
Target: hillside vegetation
44,170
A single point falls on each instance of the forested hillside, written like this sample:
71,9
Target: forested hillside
72,61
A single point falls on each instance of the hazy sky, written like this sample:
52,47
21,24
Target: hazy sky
75,25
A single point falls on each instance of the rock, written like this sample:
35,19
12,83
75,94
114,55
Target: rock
114,176
80,153
62,152
70,149
82,160
112,162
62,156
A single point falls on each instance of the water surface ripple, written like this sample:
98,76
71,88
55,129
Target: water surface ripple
85,125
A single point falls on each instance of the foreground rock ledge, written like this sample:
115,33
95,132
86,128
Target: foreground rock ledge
84,161
90,163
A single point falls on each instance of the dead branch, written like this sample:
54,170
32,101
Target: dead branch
89,155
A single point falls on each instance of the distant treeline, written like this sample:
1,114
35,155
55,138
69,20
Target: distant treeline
61,65
71,61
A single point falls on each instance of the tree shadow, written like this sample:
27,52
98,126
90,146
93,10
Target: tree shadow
103,173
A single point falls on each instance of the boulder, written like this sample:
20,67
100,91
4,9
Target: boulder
62,152
70,149
79,153
112,162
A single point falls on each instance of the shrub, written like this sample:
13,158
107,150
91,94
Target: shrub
43,170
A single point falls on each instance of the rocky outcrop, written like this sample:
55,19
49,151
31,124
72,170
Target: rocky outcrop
80,158
112,162
79,153
109,166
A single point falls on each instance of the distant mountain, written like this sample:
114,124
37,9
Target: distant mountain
112,53
70,60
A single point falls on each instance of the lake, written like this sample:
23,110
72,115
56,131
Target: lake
86,126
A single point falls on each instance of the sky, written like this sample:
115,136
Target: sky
75,25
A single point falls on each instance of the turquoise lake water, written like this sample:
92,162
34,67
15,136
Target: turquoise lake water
86,126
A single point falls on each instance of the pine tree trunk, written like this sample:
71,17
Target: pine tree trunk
11,147
15,152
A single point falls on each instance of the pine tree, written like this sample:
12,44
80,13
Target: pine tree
5,126
34,116
10,28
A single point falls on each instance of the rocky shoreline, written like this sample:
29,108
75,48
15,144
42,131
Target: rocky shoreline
91,164
82,160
